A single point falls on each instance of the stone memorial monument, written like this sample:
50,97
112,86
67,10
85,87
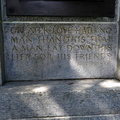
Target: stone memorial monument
47,41
50,48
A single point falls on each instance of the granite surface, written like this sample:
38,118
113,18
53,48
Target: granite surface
97,117
57,62
27,100
2,80
40,51
118,51
0,44
59,100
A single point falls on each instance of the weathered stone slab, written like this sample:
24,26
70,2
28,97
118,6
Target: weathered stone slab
1,80
1,50
118,52
20,100
37,51
4,107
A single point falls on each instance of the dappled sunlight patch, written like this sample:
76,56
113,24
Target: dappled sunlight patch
75,66
40,89
83,70
110,84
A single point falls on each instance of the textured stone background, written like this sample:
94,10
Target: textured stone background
88,50
20,100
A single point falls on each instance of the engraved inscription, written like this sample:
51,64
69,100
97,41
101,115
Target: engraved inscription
87,45
40,43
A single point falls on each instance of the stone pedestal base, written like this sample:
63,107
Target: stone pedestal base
56,100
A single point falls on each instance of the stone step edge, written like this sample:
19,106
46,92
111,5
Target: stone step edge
89,117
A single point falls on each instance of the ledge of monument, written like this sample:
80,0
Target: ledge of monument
94,117
53,99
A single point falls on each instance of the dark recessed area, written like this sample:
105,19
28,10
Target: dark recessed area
80,8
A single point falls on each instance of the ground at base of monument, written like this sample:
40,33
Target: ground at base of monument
91,99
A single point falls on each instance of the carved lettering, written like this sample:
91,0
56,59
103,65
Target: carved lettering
86,44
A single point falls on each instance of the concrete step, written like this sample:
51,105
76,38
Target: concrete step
92,99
